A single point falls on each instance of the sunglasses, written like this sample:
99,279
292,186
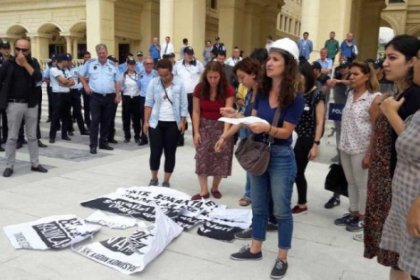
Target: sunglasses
21,50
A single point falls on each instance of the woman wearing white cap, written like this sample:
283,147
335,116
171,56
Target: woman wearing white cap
279,88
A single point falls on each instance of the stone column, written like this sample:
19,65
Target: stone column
230,23
149,24
75,44
100,24
190,23
166,20
39,45
68,44
310,21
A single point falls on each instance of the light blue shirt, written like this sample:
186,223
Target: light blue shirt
74,74
145,79
326,64
154,100
140,67
305,48
102,78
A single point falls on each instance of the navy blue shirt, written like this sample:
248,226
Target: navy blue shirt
290,114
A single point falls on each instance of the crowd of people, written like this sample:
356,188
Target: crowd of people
377,136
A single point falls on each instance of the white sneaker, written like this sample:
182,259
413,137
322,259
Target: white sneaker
358,237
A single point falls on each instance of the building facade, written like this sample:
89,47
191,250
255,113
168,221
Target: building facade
128,25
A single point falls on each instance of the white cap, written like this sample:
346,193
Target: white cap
286,45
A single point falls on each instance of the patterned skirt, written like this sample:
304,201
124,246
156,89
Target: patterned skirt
207,161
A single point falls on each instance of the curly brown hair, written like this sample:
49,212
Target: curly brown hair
221,92
289,83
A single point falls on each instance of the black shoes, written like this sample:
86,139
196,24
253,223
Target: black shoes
70,133
19,145
245,255
7,172
279,269
334,201
142,142
66,138
52,140
39,168
127,140
85,132
41,145
106,147
1,149
113,141
245,234
93,150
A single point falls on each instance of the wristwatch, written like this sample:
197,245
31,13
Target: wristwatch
317,142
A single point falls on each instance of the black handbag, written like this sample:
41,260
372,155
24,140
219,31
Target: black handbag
254,156
336,180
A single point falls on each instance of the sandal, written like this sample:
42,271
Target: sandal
198,196
244,201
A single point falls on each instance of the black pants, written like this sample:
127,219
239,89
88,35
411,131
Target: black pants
302,148
3,132
131,114
61,111
50,101
143,136
414,277
112,131
38,92
86,108
102,110
76,104
163,138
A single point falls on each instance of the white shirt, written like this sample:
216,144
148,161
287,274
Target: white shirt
167,48
189,74
130,85
166,112
232,61
55,85
355,124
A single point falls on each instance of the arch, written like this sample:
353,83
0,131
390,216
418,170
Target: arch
79,27
50,27
414,30
17,30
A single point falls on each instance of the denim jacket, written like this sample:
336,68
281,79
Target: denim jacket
153,100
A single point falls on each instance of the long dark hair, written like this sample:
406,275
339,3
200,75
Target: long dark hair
305,69
289,83
408,46
221,94
249,66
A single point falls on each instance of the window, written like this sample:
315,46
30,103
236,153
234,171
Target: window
213,4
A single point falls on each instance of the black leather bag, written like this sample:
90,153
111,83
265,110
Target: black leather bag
254,156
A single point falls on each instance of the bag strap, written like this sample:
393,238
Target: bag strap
166,94
275,122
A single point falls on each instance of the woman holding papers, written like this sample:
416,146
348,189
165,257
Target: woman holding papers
279,88
211,94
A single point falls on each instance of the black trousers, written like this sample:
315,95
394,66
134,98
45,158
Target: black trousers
163,138
143,136
112,131
86,108
131,114
302,148
102,110
50,101
3,132
38,92
61,111
76,104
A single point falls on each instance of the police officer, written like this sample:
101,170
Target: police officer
104,90
61,81
76,103
112,131
86,97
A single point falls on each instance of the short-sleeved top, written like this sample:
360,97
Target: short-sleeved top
290,114
307,123
409,107
102,77
74,72
145,79
56,72
355,124
210,109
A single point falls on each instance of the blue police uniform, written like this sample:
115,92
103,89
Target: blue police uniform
102,79
76,102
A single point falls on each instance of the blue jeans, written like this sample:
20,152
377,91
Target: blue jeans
278,178
248,186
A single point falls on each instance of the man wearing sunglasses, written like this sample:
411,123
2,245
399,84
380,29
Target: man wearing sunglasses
18,77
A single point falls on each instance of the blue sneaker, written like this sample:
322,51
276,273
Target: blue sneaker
355,225
344,221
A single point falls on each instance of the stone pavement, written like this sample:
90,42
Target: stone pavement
320,249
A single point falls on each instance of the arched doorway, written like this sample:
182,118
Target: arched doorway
56,42
77,39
